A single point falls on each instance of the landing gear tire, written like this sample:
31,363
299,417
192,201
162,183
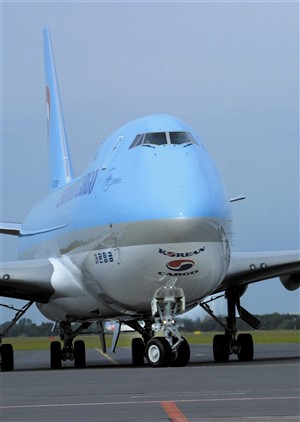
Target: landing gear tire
246,349
55,355
79,354
137,351
182,356
221,348
158,352
7,357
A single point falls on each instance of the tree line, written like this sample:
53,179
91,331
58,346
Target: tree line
275,321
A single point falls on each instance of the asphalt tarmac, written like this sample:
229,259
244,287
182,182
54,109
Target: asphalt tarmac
111,389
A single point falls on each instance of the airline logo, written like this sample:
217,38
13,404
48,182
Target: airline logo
173,254
83,187
180,265
179,268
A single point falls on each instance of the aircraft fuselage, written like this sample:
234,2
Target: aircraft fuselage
149,210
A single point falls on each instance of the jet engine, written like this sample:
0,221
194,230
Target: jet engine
291,282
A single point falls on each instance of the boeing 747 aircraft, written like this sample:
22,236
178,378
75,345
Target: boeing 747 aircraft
141,237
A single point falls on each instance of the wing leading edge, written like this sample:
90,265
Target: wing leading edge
10,228
248,268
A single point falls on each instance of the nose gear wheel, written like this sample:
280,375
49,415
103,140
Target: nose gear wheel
158,352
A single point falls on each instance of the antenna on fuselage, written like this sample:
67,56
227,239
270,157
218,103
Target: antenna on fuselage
60,169
237,198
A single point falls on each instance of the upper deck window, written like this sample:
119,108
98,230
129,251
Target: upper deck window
163,138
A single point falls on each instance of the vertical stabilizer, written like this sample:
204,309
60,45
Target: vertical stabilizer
60,171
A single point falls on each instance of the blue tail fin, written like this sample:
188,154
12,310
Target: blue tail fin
60,171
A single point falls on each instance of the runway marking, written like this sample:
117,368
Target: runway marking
122,403
173,412
105,355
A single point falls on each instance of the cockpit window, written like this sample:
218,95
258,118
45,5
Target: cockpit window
163,138
158,138
178,138
137,141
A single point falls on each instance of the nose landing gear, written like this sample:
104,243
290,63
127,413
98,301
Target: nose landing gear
158,352
170,349
174,349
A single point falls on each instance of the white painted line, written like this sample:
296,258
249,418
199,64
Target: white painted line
122,403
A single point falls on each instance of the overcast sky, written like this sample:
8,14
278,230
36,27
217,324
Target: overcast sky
229,69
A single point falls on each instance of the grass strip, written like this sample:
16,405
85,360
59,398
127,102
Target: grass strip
91,341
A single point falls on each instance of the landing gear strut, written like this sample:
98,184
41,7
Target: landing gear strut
69,351
170,349
229,343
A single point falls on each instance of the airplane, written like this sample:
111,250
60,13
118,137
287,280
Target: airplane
142,236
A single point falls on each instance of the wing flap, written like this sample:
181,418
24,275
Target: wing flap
28,280
248,268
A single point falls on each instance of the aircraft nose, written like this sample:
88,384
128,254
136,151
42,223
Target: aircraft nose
180,201
188,189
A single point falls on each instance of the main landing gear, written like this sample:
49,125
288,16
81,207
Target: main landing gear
6,350
170,349
69,351
230,343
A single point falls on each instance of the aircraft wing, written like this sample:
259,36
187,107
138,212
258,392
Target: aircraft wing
12,229
27,280
248,268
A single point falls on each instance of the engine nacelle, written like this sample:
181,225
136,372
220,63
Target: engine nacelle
291,282
242,289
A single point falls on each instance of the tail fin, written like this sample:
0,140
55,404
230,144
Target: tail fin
60,171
